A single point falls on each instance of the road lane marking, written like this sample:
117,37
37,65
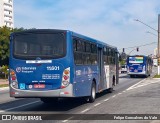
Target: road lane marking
97,104
141,84
114,96
18,106
2,111
145,84
119,93
135,85
67,119
106,100
85,110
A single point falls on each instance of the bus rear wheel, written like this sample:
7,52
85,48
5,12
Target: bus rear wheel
92,97
49,100
110,90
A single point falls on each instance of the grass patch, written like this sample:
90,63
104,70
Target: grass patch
156,76
3,85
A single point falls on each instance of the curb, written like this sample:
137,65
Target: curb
156,78
4,88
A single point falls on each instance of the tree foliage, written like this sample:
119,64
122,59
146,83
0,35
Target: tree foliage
4,43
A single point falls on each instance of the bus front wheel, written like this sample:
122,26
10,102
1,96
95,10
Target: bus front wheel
92,97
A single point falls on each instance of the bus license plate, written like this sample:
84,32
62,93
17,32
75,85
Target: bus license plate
135,70
39,85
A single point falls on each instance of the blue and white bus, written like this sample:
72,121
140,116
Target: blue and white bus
139,65
51,64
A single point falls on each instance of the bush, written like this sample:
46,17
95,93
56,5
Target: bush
156,76
4,71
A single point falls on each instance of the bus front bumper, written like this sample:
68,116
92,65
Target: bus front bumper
65,92
137,73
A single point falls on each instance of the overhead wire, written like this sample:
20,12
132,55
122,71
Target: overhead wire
138,46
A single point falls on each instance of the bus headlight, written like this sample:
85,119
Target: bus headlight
127,69
144,68
13,79
66,78
65,83
15,84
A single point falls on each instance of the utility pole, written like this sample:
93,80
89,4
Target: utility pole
158,48
158,45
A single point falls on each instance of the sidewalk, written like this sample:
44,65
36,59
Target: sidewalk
4,81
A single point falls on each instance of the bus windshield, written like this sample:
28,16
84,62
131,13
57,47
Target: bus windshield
136,60
39,45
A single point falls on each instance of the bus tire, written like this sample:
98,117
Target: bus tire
92,97
49,100
131,76
110,90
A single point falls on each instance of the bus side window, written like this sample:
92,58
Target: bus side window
109,56
93,59
93,48
74,44
88,47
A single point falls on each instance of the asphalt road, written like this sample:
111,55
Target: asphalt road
105,103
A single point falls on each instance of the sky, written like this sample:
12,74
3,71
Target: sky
110,21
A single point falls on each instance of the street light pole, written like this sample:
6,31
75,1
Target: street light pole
145,24
158,48
132,51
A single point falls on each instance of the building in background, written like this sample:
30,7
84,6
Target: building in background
6,13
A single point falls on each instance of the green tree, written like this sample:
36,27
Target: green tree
4,44
4,69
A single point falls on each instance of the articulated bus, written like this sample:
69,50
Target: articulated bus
139,65
51,64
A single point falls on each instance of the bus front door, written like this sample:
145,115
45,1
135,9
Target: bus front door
101,66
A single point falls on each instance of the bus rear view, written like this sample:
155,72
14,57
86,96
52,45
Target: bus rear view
36,64
139,65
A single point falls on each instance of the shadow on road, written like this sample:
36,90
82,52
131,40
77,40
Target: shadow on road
62,105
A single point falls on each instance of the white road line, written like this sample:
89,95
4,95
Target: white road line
144,84
97,104
135,85
67,119
2,111
85,110
106,100
119,93
18,106
114,96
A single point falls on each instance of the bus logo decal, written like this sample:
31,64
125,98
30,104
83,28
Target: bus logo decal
22,85
18,69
